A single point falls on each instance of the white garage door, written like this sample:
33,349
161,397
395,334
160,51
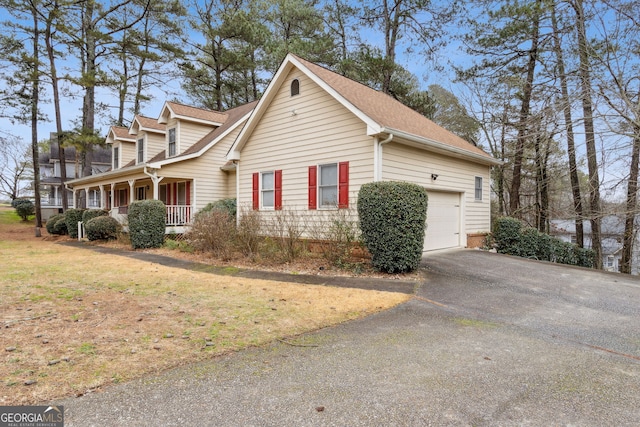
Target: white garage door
443,221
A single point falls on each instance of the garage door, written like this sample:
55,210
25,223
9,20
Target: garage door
443,221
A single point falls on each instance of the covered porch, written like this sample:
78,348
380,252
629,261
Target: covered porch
116,195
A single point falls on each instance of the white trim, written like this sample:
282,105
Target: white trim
442,147
162,119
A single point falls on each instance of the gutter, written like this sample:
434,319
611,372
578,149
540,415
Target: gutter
443,147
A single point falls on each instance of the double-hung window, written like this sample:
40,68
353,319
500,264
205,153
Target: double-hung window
141,150
172,142
478,188
267,190
329,186
116,157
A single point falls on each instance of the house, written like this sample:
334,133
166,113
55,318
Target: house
612,236
306,147
316,137
178,158
51,180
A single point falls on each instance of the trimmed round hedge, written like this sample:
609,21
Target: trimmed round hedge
102,228
93,213
24,208
51,223
73,217
392,220
147,222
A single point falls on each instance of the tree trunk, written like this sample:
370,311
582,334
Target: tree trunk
35,97
587,109
632,202
56,103
514,194
571,148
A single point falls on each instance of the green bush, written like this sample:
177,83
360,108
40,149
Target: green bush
93,213
73,217
147,223
24,208
226,205
392,220
506,235
60,225
102,228
51,222
512,238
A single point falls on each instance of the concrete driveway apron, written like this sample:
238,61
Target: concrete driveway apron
487,340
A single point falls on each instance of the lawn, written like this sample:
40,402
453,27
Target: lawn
75,321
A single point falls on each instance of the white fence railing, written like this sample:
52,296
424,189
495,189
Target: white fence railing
178,215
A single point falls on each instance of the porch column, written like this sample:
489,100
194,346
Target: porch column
102,194
112,195
73,197
132,182
153,174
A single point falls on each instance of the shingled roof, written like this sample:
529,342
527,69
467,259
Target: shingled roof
189,112
147,123
382,114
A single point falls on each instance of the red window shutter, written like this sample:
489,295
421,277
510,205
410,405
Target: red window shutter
278,189
188,191
343,185
313,187
256,191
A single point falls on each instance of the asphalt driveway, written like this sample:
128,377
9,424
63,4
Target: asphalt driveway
487,340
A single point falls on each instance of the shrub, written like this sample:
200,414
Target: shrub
102,228
213,231
506,235
248,232
24,208
392,220
60,225
285,228
225,205
93,213
339,232
73,217
529,243
147,223
51,222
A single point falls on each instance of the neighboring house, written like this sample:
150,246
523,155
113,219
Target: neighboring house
178,158
612,234
306,147
51,181
316,137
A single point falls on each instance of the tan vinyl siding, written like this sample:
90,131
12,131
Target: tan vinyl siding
155,144
405,163
187,133
296,132
127,152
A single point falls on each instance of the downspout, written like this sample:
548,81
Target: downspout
379,145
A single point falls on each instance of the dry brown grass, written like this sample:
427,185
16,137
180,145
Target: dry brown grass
74,320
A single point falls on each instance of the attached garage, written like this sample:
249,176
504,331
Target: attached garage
443,221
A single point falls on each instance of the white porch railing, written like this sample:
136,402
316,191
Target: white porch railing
178,215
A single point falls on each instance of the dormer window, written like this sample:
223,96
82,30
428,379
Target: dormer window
141,150
116,157
295,87
172,142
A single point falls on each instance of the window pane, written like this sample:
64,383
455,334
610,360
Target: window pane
267,199
329,174
267,181
329,196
